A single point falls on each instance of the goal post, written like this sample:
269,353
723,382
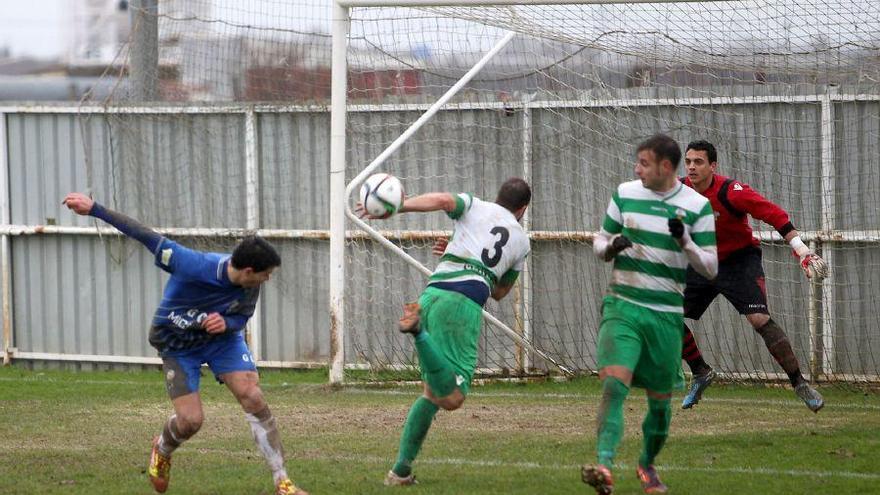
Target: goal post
355,183
572,94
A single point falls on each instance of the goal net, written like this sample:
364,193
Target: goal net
787,91
239,139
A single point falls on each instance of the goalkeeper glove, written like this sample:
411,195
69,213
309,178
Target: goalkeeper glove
814,266
811,263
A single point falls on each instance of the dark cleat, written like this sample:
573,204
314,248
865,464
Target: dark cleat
811,397
599,477
650,481
698,385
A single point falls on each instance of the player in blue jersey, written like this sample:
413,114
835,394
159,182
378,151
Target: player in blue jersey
206,304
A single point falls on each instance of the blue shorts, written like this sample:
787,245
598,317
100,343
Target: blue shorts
223,355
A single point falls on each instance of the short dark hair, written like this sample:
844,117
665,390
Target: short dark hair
703,145
514,194
663,146
256,253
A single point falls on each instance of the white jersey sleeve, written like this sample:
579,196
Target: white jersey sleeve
488,244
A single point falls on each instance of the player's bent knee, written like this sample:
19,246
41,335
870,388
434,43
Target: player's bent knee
251,398
450,405
758,320
189,424
622,373
452,401
658,395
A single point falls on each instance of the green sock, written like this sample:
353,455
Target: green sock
438,372
610,419
415,429
655,428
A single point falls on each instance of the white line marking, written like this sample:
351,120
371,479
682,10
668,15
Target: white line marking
528,395
371,459
661,468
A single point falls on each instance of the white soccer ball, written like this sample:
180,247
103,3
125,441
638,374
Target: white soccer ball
382,195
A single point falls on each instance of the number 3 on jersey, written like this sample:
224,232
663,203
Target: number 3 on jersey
495,258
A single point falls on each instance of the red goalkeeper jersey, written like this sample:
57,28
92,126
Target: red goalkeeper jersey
733,202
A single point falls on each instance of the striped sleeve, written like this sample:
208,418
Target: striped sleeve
463,203
703,229
613,222
510,276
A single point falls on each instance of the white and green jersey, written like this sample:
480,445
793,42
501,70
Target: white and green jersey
487,244
652,272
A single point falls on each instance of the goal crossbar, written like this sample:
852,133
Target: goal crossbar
490,3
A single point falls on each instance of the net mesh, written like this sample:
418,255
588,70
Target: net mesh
787,91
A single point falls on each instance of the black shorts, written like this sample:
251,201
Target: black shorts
740,280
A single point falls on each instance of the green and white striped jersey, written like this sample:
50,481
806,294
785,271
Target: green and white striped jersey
488,244
652,272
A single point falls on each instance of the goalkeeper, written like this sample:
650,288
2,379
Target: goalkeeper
207,302
653,229
483,259
740,273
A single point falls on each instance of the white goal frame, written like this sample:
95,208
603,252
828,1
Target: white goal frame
340,192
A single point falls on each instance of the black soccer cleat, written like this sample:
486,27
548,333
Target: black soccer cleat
599,477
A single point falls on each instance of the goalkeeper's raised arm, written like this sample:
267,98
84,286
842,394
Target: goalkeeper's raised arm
86,206
747,201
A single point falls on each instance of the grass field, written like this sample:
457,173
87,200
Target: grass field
89,433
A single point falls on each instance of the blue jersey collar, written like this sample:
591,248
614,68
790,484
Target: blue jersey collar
223,270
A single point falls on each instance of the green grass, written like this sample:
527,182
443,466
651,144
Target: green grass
89,433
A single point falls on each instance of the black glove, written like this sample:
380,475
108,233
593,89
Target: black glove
676,228
620,243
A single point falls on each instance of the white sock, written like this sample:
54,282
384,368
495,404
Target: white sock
268,440
168,442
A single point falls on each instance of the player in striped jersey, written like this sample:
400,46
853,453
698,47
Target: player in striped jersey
654,228
483,259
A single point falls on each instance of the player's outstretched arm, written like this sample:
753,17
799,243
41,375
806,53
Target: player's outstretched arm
84,205
750,201
435,201
811,263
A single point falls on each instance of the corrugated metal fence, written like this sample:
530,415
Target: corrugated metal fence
204,172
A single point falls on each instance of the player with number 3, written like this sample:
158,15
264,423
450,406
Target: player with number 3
484,258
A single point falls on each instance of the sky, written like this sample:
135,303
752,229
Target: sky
44,28
34,28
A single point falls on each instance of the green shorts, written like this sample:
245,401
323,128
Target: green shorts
454,323
645,341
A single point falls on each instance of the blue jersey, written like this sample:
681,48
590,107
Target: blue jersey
199,285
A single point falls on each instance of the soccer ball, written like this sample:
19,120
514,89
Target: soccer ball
382,195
